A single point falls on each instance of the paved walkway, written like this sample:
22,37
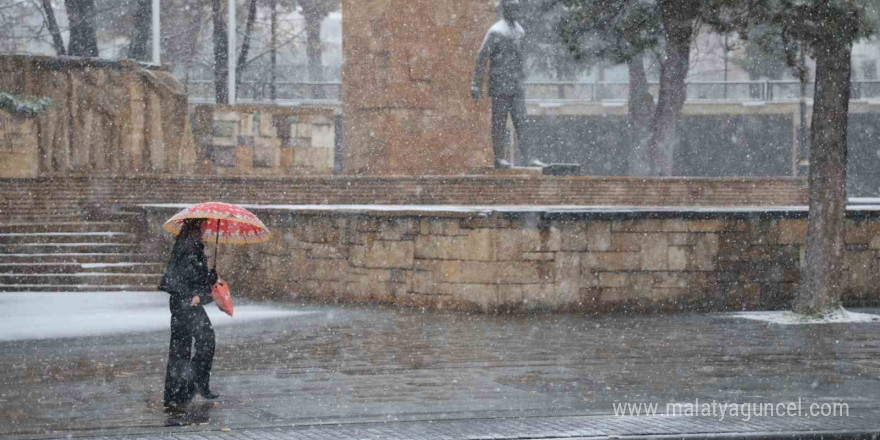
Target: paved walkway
362,372
583,427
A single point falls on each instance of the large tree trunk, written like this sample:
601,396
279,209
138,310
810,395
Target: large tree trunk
221,56
673,91
141,31
823,266
246,43
83,41
641,108
313,52
57,41
641,103
273,42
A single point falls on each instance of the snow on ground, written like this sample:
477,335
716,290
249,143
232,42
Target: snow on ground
62,234
81,274
101,265
48,315
80,265
786,317
67,254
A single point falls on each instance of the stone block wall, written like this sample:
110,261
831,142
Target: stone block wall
264,140
106,117
19,150
529,261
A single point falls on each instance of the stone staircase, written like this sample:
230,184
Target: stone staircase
68,254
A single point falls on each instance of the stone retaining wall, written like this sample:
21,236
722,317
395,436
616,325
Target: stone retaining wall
257,140
592,261
105,118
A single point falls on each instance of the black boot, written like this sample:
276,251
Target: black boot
208,394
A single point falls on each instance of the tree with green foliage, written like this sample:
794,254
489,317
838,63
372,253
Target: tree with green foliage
23,107
626,31
826,30
544,47
763,57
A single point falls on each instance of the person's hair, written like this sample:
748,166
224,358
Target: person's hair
192,228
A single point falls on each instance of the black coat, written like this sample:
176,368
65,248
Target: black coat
187,274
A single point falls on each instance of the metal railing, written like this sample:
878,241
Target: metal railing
200,91
734,91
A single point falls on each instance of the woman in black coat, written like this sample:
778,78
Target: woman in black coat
188,281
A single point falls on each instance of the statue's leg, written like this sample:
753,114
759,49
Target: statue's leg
518,115
500,109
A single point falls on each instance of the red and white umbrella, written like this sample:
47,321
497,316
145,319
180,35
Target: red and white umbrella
227,223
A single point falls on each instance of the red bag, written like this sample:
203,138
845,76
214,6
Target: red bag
220,293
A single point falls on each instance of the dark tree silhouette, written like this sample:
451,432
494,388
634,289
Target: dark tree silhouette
52,24
221,56
141,30
246,42
314,12
83,40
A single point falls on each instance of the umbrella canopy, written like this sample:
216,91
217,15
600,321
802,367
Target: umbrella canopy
231,223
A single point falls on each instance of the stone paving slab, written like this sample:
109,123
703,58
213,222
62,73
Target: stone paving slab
585,427
378,372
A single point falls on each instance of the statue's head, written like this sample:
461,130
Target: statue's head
510,9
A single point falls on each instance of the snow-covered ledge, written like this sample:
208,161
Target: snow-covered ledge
783,211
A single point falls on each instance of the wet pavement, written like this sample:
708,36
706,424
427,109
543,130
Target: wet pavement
379,372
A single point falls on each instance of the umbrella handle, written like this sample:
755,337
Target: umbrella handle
216,245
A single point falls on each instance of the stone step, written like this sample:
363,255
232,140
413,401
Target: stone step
86,247
71,225
89,278
80,257
65,237
69,268
25,205
38,214
48,242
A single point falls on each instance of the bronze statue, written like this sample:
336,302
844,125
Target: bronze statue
503,49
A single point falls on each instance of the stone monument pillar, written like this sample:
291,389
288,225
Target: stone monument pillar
405,87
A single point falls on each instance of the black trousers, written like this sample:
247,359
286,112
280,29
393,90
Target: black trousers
515,106
190,354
